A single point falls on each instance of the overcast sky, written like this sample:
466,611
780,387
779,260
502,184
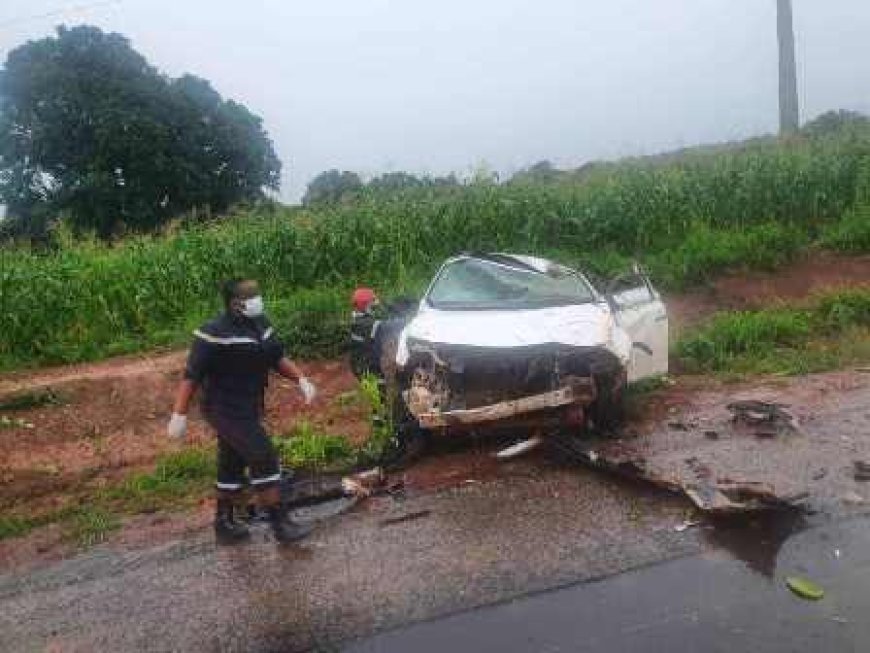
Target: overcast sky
439,86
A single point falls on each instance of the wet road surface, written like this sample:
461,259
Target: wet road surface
468,534
539,526
698,603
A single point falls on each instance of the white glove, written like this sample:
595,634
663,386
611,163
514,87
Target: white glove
308,390
177,427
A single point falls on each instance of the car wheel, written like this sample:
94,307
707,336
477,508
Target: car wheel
607,413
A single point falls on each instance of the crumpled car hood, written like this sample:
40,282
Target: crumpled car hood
583,325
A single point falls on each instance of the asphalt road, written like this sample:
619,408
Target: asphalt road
535,527
697,603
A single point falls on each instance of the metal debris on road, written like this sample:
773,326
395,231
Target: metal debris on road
520,448
411,516
862,471
768,418
686,525
365,483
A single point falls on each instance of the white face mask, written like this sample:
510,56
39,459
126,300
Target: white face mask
253,307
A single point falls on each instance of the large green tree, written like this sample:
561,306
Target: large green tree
89,129
332,186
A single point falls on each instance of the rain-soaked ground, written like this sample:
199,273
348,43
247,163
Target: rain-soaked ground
466,532
538,527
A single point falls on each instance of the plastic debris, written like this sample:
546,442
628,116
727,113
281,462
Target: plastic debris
363,484
520,448
853,498
411,516
804,588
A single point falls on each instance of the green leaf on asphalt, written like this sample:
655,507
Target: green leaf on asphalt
804,588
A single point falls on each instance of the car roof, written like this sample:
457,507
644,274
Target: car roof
534,263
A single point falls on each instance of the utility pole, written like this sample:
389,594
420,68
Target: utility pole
789,114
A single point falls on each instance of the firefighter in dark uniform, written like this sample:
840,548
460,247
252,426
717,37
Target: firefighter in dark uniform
231,358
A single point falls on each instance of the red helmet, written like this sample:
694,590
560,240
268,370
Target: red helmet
362,298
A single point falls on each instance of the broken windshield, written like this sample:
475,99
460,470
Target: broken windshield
480,284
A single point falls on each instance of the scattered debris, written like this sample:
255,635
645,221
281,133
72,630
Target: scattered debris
862,471
678,426
411,516
365,483
853,498
711,435
520,448
697,481
804,588
768,418
686,525
819,475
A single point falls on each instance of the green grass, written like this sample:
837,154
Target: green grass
832,331
688,217
14,526
31,400
91,525
306,448
178,478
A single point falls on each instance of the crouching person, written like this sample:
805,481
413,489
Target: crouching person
231,358
365,344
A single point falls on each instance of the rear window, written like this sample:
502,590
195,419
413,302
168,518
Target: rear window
470,284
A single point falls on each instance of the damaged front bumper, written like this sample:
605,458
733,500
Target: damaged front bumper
578,392
460,387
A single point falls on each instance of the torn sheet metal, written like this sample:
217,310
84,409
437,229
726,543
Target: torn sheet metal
809,462
707,493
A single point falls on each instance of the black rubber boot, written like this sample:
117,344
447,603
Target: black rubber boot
226,528
285,529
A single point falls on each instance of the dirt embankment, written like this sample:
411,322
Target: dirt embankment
819,272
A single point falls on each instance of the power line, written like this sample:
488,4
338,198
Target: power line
59,12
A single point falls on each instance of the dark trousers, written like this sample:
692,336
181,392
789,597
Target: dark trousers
243,443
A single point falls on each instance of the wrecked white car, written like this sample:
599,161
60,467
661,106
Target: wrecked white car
503,340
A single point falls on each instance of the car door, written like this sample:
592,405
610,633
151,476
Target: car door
639,310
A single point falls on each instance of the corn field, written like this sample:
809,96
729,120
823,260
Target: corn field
686,219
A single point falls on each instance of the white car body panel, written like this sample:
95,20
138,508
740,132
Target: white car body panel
637,333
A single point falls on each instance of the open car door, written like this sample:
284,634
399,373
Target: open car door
639,310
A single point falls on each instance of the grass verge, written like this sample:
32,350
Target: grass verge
831,331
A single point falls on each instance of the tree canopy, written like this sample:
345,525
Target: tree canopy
332,186
89,129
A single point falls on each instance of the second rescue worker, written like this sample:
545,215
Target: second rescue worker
231,358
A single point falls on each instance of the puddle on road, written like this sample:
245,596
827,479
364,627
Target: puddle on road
756,540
